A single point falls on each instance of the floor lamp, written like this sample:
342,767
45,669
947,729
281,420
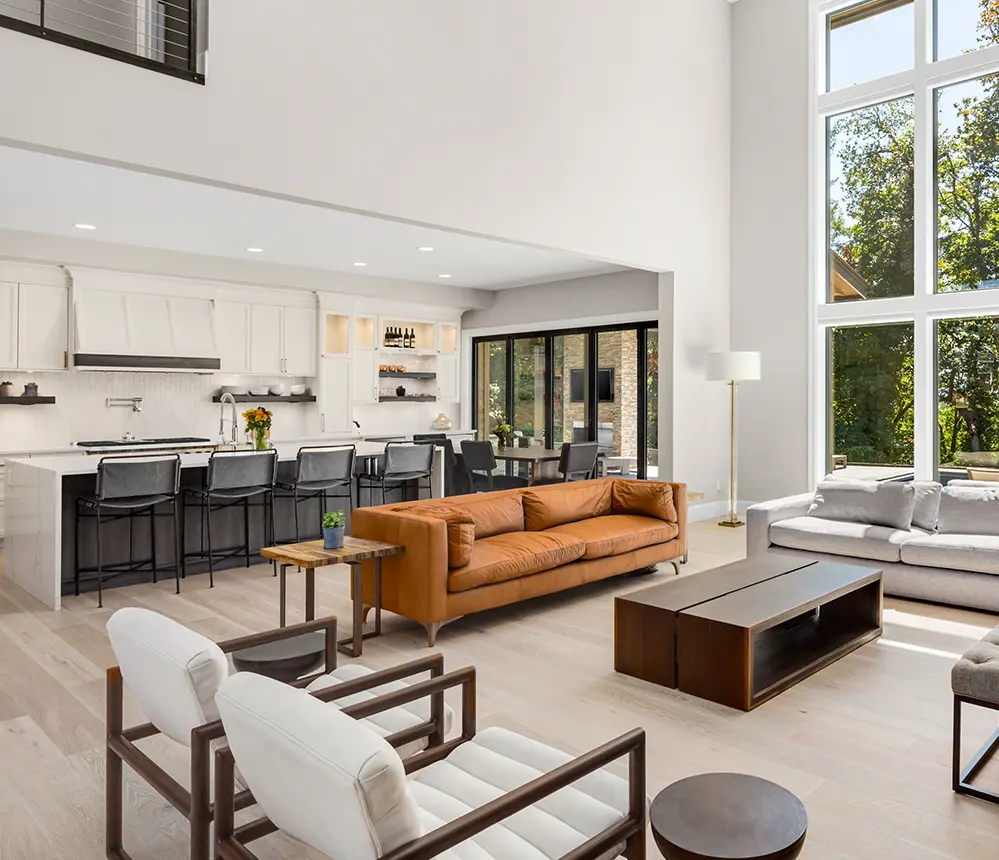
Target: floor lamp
733,368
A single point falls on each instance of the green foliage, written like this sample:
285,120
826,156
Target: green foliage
872,227
334,520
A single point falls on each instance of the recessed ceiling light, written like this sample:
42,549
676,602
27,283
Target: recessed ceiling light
255,250
443,276
85,226
424,248
360,264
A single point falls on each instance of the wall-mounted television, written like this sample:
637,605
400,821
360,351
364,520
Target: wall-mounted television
605,385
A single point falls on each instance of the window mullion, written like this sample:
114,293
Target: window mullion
924,399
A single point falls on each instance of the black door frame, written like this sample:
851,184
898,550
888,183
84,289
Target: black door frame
592,364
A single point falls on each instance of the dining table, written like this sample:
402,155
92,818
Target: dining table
533,455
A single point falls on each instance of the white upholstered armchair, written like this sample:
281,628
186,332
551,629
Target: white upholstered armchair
323,777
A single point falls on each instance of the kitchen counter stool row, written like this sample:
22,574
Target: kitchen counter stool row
147,487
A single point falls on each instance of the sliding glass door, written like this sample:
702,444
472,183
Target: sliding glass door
596,384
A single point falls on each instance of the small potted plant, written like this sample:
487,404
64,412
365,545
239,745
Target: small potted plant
333,523
504,433
30,389
258,422
5,388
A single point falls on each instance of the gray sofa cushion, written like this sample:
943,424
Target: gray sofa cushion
976,674
888,504
977,553
861,540
969,511
926,505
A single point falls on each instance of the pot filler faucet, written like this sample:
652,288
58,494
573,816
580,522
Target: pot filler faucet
234,418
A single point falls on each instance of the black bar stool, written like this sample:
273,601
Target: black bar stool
128,486
234,478
402,463
441,440
321,471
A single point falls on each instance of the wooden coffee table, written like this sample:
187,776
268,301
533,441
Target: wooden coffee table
740,634
728,815
311,555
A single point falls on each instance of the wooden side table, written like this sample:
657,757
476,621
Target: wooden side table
311,555
728,816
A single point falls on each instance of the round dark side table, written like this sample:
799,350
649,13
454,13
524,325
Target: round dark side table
728,816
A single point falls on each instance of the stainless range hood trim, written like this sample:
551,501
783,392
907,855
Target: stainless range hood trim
107,361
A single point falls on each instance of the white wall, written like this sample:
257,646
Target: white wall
602,129
770,281
574,124
557,304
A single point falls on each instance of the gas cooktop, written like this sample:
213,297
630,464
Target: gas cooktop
132,443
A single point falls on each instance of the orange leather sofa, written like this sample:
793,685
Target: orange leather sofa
468,553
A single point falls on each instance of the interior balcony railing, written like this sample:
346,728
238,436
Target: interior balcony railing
167,36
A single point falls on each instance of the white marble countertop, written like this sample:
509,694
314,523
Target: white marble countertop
86,464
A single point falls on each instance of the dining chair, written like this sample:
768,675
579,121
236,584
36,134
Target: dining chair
480,460
577,462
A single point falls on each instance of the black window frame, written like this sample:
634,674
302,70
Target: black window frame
592,361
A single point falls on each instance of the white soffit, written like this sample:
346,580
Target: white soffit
49,194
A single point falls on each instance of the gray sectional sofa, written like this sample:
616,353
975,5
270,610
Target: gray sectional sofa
933,543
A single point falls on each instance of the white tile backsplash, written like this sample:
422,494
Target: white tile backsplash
173,404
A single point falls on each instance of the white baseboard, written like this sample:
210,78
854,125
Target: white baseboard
713,510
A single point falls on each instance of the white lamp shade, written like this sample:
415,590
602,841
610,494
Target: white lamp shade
733,366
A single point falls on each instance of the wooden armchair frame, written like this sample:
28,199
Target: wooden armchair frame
231,841
196,804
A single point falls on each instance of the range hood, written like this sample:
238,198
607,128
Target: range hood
140,329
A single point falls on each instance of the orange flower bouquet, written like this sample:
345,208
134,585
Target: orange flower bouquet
258,422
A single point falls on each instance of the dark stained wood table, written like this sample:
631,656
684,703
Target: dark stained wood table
311,555
533,455
645,622
728,816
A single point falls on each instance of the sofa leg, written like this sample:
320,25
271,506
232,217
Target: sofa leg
365,609
432,629
676,567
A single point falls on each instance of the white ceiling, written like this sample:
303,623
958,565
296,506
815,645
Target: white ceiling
49,194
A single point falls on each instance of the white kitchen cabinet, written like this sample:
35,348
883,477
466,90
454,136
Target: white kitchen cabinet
447,337
365,376
8,325
232,326
299,341
266,334
42,327
335,405
447,377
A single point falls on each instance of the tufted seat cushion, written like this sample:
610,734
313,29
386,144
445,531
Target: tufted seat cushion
861,540
510,556
388,722
497,761
617,533
976,674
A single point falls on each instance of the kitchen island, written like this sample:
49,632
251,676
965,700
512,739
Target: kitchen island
41,497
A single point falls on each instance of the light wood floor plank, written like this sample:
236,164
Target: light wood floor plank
865,743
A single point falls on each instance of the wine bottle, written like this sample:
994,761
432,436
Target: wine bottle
407,341
395,337
412,338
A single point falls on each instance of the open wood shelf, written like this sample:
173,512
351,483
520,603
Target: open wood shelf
269,398
407,398
21,400
407,374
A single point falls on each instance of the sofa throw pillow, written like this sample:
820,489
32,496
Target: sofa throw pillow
926,506
875,503
546,507
969,511
460,532
644,498
495,513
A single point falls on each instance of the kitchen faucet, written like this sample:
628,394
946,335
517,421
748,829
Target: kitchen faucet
234,418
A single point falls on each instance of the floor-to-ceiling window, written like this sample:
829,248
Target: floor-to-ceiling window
907,279
598,384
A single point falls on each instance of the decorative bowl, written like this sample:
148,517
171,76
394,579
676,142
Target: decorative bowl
279,390
297,390
259,391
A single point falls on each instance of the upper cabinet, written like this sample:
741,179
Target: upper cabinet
232,326
8,325
42,327
282,340
266,334
447,337
33,326
365,328
336,334
299,341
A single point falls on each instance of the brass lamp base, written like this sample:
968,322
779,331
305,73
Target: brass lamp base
732,524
